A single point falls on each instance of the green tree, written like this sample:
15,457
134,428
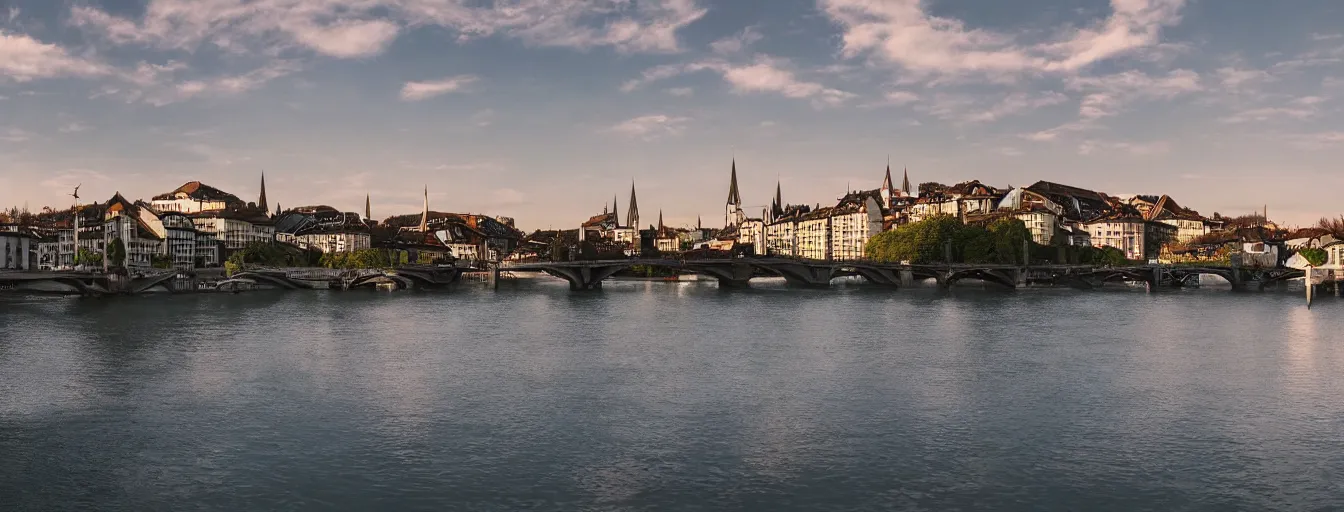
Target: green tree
116,253
973,244
86,257
917,242
1316,257
162,261
1010,236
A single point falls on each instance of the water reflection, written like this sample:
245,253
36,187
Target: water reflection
673,396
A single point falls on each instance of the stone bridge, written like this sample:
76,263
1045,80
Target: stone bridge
87,283
738,272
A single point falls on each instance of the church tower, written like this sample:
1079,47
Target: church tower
732,215
632,216
261,202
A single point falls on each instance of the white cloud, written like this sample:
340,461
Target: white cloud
73,127
1267,114
1089,147
416,91
1015,103
346,39
902,33
763,75
651,126
1106,95
361,28
1233,78
1315,141
1054,133
14,135
13,13
736,43
680,91
23,58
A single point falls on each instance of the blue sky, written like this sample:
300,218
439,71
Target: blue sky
545,109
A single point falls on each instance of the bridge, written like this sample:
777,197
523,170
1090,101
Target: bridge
738,272
87,283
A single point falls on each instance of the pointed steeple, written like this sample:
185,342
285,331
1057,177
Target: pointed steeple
368,211
777,209
277,208
424,217
660,221
886,181
905,183
615,213
261,202
632,216
734,198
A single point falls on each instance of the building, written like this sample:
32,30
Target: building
813,235
732,211
960,200
856,218
666,240
1076,204
236,228
196,197
1127,230
751,233
181,241
134,226
323,228
17,248
1189,223
781,234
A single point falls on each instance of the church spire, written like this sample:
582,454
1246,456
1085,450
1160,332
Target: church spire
660,223
734,198
632,216
886,181
368,212
261,202
615,213
424,217
905,183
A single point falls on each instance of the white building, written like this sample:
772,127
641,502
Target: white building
181,243
196,197
1137,238
856,219
813,235
16,249
751,232
236,229
134,226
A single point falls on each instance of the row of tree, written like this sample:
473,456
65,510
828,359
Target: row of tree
944,239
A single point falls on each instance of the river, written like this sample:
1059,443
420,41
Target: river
660,396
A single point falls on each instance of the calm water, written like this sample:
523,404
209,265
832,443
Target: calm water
652,396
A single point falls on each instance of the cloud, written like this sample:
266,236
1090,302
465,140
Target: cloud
23,58
651,127
416,91
362,28
680,91
1234,78
902,33
1014,104
763,75
1267,114
158,85
1317,141
1054,133
1107,94
736,43
1089,147
73,127
483,118
14,135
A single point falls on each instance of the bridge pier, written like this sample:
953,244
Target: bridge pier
735,275
804,275
582,278
882,276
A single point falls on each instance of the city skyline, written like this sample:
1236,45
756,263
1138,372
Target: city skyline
541,111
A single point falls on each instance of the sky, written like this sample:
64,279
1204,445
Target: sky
544,110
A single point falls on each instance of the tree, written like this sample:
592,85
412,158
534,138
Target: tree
161,261
116,253
1316,257
86,257
1334,226
1010,236
917,242
930,187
